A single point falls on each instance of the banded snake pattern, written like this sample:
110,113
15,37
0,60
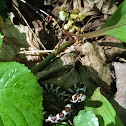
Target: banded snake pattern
70,97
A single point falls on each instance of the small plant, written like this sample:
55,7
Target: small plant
113,27
71,19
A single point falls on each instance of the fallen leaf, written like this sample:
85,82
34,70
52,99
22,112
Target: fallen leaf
112,47
94,60
120,73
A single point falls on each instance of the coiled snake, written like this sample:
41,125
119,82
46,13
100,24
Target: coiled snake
72,96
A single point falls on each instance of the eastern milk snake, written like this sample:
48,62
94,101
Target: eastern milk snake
71,97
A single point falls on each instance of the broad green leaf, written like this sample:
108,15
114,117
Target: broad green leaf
1,122
85,118
99,105
20,96
118,16
115,26
103,109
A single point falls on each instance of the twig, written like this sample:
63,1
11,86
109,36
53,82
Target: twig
50,57
36,37
36,51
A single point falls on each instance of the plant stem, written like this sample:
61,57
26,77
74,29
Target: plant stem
100,32
50,57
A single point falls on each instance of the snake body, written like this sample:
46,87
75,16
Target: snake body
72,96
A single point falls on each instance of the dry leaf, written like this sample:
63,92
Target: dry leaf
13,41
94,60
112,47
120,73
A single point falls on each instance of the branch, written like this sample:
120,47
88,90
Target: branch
51,57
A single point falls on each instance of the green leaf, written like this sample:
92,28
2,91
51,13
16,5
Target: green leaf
99,105
1,122
103,110
118,16
20,96
85,118
115,26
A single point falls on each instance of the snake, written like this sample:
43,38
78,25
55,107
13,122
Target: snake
70,97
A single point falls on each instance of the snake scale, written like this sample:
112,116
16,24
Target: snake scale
70,97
